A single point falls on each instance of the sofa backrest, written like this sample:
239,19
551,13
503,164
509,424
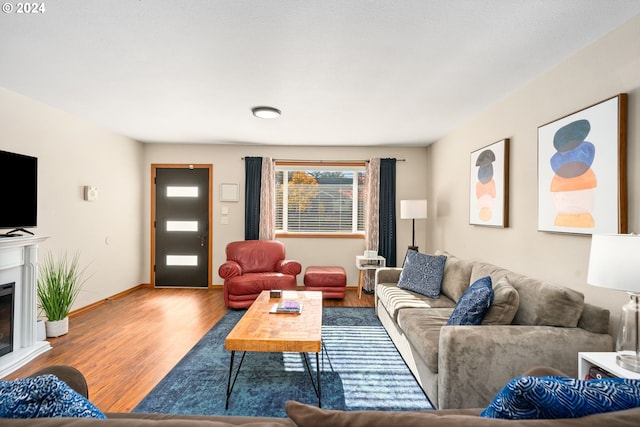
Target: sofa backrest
457,275
540,303
256,256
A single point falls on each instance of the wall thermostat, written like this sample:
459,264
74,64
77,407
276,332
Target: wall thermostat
90,193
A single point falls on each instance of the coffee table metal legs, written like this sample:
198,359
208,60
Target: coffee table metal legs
316,384
229,383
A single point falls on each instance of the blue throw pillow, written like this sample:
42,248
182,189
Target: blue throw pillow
473,304
43,396
422,273
562,397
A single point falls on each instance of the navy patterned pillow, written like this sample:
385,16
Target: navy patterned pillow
43,396
422,273
562,397
473,303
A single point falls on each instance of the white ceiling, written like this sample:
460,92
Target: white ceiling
343,72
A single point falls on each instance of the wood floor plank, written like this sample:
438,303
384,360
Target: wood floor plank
126,345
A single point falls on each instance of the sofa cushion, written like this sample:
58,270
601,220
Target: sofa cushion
254,283
422,329
43,396
422,273
311,416
541,303
505,304
124,419
128,419
562,397
394,299
457,275
483,269
545,304
473,304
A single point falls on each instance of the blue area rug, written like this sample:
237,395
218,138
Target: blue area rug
361,370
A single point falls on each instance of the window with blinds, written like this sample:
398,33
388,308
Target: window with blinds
325,199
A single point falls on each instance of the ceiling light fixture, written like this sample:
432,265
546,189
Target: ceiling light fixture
266,112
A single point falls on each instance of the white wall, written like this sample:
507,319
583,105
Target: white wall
606,68
112,233
228,167
73,153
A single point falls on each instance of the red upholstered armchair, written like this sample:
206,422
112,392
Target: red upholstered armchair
253,266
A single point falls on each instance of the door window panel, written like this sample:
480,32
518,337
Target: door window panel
182,226
182,191
182,260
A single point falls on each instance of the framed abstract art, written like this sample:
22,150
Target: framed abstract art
489,185
582,172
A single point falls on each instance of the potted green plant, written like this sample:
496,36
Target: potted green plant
59,282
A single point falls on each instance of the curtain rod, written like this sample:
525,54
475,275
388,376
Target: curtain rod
324,161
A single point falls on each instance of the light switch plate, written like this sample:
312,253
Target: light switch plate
90,193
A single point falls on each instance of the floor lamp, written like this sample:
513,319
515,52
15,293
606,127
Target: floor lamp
613,264
413,209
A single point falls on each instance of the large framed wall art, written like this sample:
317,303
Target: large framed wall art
582,172
489,185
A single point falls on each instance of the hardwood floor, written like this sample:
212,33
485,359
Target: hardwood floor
126,345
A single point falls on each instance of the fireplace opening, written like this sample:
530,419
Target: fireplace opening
6,317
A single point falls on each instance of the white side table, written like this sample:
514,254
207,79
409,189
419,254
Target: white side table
605,361
364,263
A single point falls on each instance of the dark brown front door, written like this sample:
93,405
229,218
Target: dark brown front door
181,227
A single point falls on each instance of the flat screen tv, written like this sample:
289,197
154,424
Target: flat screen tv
18,190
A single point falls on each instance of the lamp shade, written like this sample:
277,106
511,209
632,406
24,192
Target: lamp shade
614,262
412,209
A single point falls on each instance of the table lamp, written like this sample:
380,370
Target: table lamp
413,209
614,263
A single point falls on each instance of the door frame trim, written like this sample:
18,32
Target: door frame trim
155,166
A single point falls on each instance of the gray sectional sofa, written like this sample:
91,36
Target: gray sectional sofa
530,323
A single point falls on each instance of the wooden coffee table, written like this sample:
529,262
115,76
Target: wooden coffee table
261,331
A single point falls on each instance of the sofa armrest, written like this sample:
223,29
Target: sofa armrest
594,319
388,275
475,362
289,266
229,269
70,375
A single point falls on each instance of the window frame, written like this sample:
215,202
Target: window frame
347,166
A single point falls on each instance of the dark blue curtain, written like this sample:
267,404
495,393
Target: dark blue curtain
387,221
252,182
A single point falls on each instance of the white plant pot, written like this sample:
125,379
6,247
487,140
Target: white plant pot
41,332
57,328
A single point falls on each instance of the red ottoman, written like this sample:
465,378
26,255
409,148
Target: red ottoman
332,281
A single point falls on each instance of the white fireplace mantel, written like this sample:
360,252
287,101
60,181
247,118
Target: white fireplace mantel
19,264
